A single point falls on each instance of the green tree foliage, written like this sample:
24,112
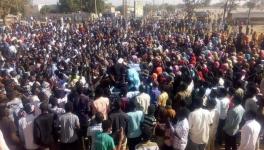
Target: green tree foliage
11,7
89,6
149,8
70,5
81,5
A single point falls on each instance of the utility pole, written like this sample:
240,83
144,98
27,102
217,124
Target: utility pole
125,8
153,9
95,6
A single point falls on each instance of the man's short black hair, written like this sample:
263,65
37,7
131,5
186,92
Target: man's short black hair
238,99
211,103
117,104
99,117
69,107
106,124
44,106
197,102
142,88
151,109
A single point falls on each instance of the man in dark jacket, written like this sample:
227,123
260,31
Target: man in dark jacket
44,127
119,120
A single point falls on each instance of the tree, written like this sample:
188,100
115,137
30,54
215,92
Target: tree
70,5
11,6
5,7
251,5
18,6
228,7
45,9
191,5
150,8
94,6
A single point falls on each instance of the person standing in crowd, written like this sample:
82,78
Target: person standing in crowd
69,125
170,112
199,122
180,130
155,92
249,132
150,121
86,64
146,141
143,98
135,118
222,107
95,126
119,120
103,141
101,104
26,132
163,97
44,128
55,107
211,105
8,130
233,120
251,101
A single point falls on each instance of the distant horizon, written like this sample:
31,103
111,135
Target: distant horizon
119,2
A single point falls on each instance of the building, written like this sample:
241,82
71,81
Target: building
138,8
256,17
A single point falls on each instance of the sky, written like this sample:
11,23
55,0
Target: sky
119,2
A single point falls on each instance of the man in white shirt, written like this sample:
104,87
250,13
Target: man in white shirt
180,130
69,125
222,107
143,98
249,132
26,127
199,123
211,103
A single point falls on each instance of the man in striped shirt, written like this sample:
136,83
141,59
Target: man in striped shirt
149,119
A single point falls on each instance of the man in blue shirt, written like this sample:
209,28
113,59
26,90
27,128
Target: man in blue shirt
231,127
135,118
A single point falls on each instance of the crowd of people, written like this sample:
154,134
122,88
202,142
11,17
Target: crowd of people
117,84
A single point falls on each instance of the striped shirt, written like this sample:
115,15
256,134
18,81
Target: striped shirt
149,121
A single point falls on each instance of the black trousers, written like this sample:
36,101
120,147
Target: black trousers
220,134
132,142
230,142
70,146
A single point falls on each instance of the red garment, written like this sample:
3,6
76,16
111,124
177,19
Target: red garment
159,70
193,60
201,76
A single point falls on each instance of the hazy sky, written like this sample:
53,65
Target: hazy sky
119,2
